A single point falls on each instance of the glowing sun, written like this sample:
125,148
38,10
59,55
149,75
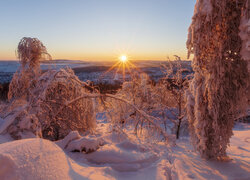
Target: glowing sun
123,58
122,67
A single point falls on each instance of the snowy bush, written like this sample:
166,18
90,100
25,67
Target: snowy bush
137,105
164,102
217,94
53,91
48,113
138,91
170,94
40,102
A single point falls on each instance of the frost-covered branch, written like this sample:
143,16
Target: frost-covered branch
145,115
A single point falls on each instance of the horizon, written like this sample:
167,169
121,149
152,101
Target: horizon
96,30
100,60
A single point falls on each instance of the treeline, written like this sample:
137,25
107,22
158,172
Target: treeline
103,88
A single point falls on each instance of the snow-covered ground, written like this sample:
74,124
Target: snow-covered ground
119,156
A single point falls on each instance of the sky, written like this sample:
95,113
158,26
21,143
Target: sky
98,29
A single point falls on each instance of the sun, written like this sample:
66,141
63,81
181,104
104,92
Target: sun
123,67
123,58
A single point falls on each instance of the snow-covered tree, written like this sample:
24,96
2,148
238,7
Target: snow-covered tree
138,91
50,100
40,102
218,92
30,51
136,105
170,91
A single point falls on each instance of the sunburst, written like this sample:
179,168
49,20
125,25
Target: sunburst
123,58
123,66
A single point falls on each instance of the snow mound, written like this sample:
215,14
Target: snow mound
122,159
123,155
32,159
74,142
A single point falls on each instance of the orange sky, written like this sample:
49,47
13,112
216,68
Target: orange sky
10,54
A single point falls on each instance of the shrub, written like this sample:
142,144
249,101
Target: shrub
136,105
53,91
39,103
170,94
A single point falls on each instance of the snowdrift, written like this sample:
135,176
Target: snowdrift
32,159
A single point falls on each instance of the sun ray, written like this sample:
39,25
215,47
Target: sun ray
129,70
123,66
134,67
117,69
110,69
123,71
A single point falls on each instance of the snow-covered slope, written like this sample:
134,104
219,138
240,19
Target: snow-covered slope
120,157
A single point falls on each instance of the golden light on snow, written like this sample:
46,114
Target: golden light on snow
123,58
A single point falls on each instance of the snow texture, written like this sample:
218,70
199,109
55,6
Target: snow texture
121,157
33,159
